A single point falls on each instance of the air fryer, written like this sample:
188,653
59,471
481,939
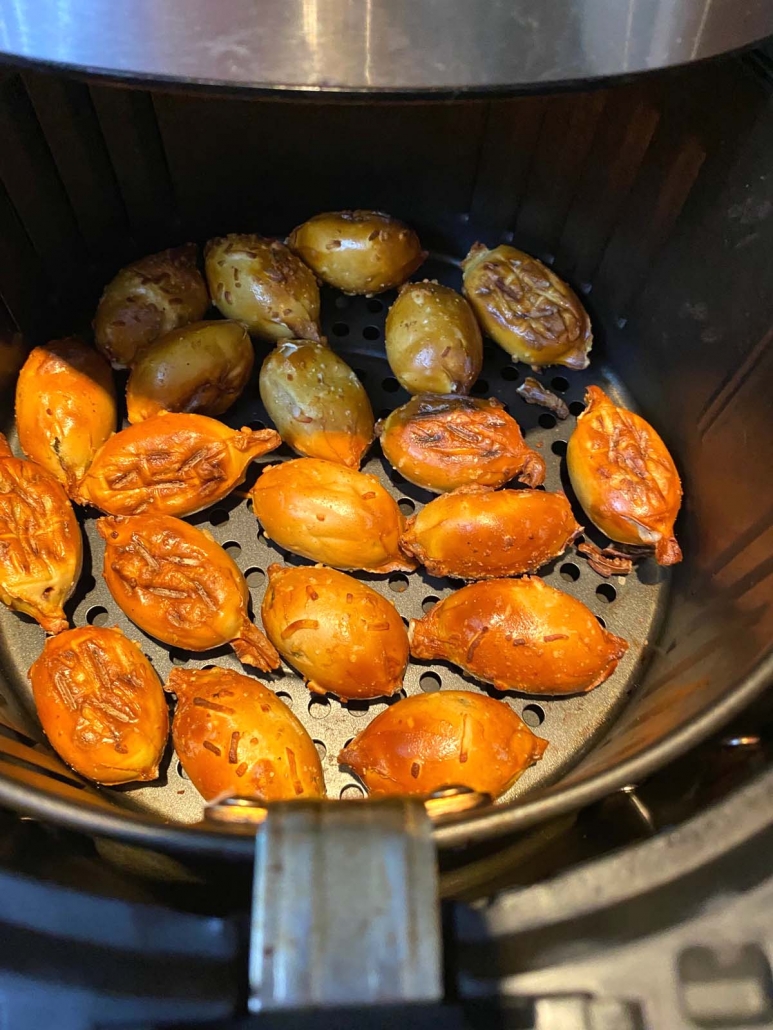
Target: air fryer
650,196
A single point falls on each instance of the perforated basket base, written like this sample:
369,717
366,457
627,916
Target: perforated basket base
628,606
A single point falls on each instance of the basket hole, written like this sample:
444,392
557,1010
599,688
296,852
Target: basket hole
181,772
559,384
577,407
429,682
351,792
398,583
319,708
341,302
390,384
178,657
371,332
480,387
257,424
254,577
356,708
406,506
284,696
606,592
558,447
601,622
569,572
97,616
218,516
321,749
547,421
374,306
232,548
406,622
87,584
429,603
533,715
340,329
510,373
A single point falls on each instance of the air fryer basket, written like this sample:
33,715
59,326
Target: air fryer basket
651,199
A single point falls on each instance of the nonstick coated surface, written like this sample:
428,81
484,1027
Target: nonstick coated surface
629,607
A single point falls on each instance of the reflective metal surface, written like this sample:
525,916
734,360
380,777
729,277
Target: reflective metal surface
344,906
393,46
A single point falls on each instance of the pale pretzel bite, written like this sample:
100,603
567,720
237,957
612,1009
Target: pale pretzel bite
624,477
341,635
262,284
525,308
201,368
235,737
178,584
433,343
65,408
171,464
101,705
147,299
363,252
330,514
41,548
519,634
316,402
449,738
443,443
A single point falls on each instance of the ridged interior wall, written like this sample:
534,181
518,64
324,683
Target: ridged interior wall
653,198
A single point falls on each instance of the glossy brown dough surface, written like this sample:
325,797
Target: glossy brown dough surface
358,251
101,705
40,542
433,343
316,402
234,736
171,465
519,634
624,477
179,585
65,408
264,285
146,299
525,308
330,514
201,368
341,635
449,738
442,443
479,533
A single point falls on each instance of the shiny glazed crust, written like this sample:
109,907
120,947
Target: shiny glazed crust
449,738
234,736
171,465
331,514
479,533
101,704
342,636
519,634
624,477
40,542
179,585
443,443
65,408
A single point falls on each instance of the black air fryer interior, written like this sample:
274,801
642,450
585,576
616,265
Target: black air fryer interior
651,199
